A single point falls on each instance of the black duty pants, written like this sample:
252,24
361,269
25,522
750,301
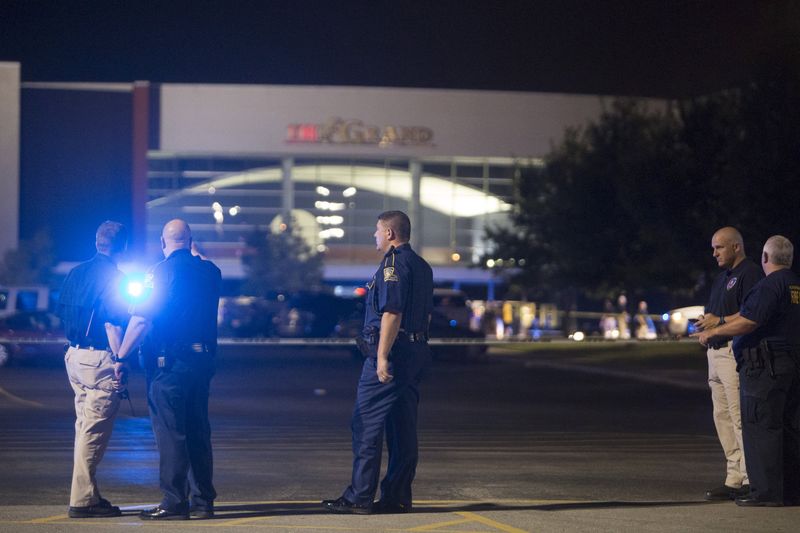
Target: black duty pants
389,407
178,399
770,403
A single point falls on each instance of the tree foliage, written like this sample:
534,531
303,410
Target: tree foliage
280,262
631,201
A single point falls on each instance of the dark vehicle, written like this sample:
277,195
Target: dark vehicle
31,336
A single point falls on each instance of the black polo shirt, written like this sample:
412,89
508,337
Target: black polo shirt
773,304
403,283
91,296
731,286
183,302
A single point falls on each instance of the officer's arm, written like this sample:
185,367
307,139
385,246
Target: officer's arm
738,325
138,328
390,325
114,334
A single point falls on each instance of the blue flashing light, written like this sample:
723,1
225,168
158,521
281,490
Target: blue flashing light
665,317
453,323
133,288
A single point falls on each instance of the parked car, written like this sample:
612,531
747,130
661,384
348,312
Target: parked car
681,320
32,336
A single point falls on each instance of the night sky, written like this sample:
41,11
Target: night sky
645,47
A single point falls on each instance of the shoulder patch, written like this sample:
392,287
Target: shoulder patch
389,275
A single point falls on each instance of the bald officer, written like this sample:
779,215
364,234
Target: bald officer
179,320
398,309
739,275
767,349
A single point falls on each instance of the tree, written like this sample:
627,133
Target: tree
29,264
630,201
280,262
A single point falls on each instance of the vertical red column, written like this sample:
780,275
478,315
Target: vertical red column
141,118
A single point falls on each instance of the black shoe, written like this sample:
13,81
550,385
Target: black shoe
341,505
102,509
743,492
382,507
202,512
159,513
724,493
747,501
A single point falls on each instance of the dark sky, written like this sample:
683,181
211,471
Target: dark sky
644,47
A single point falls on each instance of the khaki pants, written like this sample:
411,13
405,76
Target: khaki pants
90,373
724,383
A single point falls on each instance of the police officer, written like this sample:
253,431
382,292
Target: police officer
767,346
399,305
179,319
93,318
739,275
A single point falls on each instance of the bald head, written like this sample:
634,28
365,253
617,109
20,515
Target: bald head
728,247
176,235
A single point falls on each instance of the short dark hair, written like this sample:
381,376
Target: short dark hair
111,237
399,222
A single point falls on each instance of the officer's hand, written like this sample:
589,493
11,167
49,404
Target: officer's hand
703,337
120,375
706,321
383,370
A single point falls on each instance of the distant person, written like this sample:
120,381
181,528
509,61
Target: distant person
739,275
179,319
608,321
623,317
645,327
395,342
93,318
767,349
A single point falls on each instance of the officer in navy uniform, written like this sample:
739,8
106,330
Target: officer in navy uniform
767,350
179,320
739,275
93,316
398,309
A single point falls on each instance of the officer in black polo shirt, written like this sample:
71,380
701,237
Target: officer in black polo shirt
180,321
738,276
767,346
93,317
398,309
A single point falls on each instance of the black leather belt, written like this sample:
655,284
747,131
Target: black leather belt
414,337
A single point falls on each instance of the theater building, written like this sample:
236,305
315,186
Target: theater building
231,159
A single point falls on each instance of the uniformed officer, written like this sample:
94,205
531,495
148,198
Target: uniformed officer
93,317
739,275
179,319
767,347
398,309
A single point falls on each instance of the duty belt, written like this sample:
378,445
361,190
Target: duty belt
419,336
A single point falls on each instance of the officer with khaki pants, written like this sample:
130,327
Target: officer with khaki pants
93,315
738,276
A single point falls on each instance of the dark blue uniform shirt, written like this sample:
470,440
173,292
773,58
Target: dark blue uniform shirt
403,283
183,303
774,304
91,296
730,287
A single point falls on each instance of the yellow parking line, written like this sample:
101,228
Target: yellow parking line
17,399
242,521
55,518
437,525
491,523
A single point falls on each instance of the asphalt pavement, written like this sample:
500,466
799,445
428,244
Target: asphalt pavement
551,437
